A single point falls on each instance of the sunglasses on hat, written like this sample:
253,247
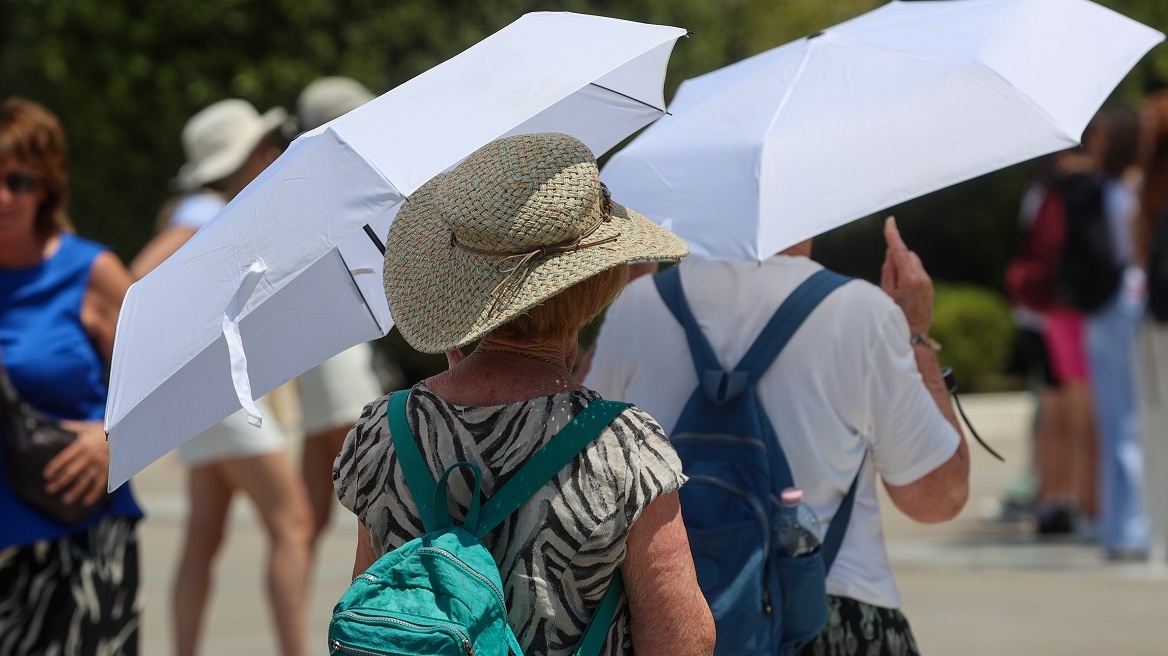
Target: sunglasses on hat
19,183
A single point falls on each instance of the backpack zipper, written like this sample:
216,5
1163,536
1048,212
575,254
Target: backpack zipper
470,570
335,646
467,647
737,440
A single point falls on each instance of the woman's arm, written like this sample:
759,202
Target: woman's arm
364,557
161,247
669,614
108,283
81,470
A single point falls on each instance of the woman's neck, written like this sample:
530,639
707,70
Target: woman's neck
27,250
502,371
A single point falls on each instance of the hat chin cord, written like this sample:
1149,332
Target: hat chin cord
517,266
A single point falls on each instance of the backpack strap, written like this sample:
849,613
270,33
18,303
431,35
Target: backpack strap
548,461
834,538
597,630
534,474
418,476
669,287
791,314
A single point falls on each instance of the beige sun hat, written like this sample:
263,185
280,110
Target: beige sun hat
519,221
218,140
327,98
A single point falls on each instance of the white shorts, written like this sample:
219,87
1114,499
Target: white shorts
333,393
234,438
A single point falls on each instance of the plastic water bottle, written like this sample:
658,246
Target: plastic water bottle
798,529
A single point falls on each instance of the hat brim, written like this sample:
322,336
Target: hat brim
442,296
228,161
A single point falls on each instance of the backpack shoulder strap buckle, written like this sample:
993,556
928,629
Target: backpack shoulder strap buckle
722,387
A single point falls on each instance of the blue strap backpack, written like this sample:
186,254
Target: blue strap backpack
441,594
763,601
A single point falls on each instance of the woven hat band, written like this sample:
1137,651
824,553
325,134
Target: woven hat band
518,265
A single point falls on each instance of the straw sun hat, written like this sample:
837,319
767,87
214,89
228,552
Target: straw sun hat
519,221
218,140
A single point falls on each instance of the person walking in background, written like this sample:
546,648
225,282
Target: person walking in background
227,145
1111,339
1065,444
64,588
1152,250
333,393
845,396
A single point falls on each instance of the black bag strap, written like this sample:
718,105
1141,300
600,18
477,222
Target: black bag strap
783,325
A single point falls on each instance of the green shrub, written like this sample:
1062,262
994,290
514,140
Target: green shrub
974,326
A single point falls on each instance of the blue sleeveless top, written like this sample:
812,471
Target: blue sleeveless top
55,366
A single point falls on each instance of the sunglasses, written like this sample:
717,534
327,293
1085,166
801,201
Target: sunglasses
19,183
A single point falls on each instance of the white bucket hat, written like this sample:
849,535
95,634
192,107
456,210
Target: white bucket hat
218,140
327,98
519,221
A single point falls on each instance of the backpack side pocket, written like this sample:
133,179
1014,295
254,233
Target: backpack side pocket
729,536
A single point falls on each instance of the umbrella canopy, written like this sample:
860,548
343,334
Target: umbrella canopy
289,273
901,101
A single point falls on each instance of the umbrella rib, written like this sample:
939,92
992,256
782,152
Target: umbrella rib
625,95
969,62
376,240
811,41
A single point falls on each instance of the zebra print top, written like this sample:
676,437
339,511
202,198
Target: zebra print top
557,553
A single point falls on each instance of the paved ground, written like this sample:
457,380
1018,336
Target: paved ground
970,586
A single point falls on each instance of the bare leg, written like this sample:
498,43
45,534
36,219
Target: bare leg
210,498
279,496
316,466
1081,418
1052,450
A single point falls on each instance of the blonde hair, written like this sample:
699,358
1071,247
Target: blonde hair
563,315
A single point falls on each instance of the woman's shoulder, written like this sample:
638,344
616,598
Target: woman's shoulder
76,248
638,423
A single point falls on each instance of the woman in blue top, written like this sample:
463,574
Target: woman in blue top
66,589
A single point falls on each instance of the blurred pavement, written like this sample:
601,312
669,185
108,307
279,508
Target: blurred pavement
970,586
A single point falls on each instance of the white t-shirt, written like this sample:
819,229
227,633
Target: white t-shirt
846,383
196,209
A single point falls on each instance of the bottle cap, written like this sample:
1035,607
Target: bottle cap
791,496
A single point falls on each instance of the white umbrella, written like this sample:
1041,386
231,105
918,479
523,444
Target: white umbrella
901,101
286,276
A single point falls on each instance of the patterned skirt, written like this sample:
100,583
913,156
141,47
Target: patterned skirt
858,629
72,596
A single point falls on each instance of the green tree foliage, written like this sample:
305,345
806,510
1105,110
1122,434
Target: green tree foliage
976,333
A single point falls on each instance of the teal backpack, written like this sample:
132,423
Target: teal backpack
441,594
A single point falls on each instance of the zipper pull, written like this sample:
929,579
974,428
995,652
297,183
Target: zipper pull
767,609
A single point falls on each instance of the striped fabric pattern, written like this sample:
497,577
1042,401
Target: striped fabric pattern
76,594
557,553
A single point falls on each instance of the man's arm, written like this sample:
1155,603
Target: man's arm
941,494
